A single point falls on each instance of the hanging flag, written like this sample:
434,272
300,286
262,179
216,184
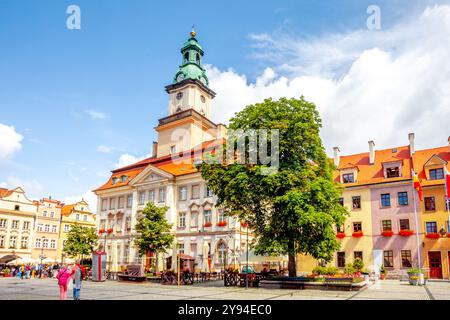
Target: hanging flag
447,183
416,184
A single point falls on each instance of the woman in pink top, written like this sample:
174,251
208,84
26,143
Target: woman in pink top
64,276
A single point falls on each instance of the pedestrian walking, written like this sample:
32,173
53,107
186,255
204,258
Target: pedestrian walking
78,276
64,276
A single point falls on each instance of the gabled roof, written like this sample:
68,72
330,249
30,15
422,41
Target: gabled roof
67,209
373,173
184,165
5,192
422,157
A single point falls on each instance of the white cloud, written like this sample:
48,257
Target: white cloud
89,197
33,189
96,115
127,159
10,142
367,85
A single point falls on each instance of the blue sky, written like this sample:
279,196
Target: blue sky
81,99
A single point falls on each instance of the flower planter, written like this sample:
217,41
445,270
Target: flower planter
221,223
405,233
358,234
414,282
387,233
207,225
340,235
433,235
243,224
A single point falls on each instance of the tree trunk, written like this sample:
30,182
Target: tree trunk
291,264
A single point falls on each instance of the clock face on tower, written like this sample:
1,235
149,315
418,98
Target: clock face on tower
180,77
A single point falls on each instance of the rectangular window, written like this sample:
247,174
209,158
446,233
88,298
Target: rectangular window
37,244
54,228
141,197
15,224
406,259
341,201
26,225
386,225
102,223
182,219
193,252
348,178
209,192
340,229
431,227
357,226
40,227
129,200
121,202
436,174
194,219
207,216
356,202
45,243
183,193
195,191
388,259
341,259
393,172
66,228
221,215
24,243
47,228
162,194
119,225
385,200
53,244
358,254
128,223
44,214
104,204
85,218
52,214
77,217
2,241
12,242
404,224
430,204
3,223
403,198
112,203
151,196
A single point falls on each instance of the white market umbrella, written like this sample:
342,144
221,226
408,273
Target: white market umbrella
17,261
48,260
205,251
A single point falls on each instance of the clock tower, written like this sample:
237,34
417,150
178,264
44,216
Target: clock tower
189,108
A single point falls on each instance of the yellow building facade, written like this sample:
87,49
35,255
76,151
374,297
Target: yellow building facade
71,214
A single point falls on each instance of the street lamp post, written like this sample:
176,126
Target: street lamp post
42,257
246,273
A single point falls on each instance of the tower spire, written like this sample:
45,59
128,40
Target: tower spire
193,33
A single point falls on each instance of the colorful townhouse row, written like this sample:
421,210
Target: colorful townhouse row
389,225
31,231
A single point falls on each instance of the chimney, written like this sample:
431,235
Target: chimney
412,150
155,149
372,151
337,156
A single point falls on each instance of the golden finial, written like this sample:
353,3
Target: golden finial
193,33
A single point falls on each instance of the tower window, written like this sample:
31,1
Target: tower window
186,57
197,58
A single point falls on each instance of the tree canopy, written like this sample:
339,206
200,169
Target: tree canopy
153,230
296,208
80,240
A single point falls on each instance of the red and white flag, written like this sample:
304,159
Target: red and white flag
447,183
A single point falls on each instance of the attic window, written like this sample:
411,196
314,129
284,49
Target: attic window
16,207
114,180
394,150
123,178
348,178
436,174
393,172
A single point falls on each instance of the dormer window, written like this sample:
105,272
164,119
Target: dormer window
114,180
436,174
393,172
173,149
348,178
123,178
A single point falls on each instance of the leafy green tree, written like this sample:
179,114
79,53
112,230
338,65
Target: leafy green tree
80,241
294,210
153,231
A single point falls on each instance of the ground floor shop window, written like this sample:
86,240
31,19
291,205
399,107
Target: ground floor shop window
388,260
406,259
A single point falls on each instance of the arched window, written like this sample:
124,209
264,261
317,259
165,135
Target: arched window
197,58
186,57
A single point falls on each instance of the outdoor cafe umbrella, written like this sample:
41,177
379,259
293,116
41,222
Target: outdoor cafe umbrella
205,252
16,261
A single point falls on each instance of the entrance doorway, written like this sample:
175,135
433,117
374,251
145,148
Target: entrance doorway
435,263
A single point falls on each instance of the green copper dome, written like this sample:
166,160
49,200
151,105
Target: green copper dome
191,67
